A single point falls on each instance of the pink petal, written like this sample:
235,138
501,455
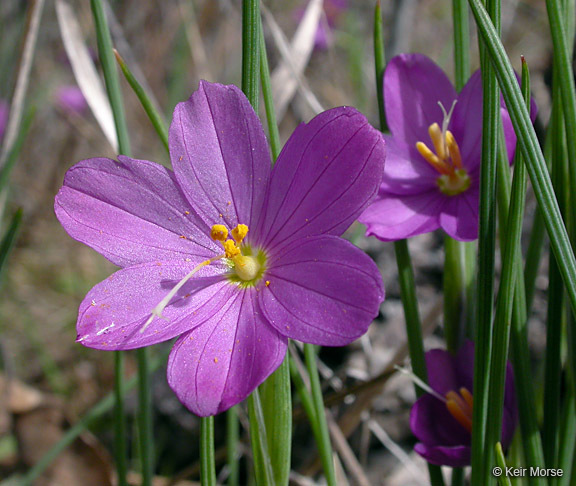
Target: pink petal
220,156
459,216
413,86
322,290
391,217
113,313
131,212
219,363
325,176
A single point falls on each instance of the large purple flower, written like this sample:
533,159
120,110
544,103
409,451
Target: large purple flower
443,423
283,273
432,172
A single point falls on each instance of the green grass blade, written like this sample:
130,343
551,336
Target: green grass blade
9,238
207,462
157,120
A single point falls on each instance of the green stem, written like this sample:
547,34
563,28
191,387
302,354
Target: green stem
250,50
380,64
482,452
145,429
156,119
273,134
259,440
324,445
232,441
461,43
115,96
207,463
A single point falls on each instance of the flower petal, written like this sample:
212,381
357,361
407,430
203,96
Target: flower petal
131,212
391,217
113,313
219,363
413,86
219,155
510,412
322,290
459,216
327,173
442,371
434,425
405,171
457,456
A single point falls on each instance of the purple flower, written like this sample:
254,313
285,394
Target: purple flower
443,423
71,99
234,301
432,172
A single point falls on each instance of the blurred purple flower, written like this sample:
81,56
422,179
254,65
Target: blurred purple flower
290,276
443,423
333,9
4,112
432,171
70,99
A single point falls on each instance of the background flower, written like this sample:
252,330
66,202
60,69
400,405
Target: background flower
421,193
308,283
444,440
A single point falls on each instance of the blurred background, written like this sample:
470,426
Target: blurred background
170,45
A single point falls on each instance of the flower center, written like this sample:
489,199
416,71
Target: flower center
246,266
446,159
460,406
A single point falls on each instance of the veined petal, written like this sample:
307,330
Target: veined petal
392,217
321,290
131,212
442,371
113,314
413,86
219,155
459,216
219,363
327,173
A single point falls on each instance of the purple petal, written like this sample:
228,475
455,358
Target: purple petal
113,313
405,171
219,155
327,173
391,218
131,212
434,425
442,371
219,363
413,86
459,216
458,456
322,290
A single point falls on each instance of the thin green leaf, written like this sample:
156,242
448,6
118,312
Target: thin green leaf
503,478
9,238
259,440
158,121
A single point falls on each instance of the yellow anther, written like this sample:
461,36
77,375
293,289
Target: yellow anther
432,158
438,140
219,232
231,249
460,407
454,150
239,233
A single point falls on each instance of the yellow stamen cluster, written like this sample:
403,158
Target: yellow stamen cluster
245,266
447,160
460,406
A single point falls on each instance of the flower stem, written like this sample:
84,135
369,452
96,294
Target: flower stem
482,452
259,440
405,272
115,97
156,119
207,463
145,429
324,445
461,43
250,51
232,441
